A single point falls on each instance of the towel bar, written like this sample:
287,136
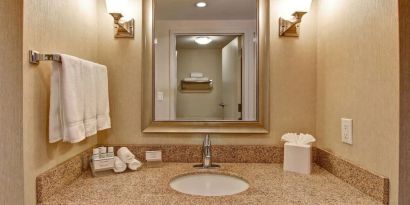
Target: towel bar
35,57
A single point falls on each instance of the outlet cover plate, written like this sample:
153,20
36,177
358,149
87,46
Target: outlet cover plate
347,130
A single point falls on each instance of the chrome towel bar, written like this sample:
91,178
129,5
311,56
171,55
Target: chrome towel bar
35,57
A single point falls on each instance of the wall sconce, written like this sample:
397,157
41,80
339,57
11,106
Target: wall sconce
290,26
123,28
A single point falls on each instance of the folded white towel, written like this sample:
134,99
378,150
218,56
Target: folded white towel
79,103
66,120
125,155
196,79
55,128
134,164
119,165
89,77
103,105
197,75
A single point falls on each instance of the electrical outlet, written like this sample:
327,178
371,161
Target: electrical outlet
347,131
160,96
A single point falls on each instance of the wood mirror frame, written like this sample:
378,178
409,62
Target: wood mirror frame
261,125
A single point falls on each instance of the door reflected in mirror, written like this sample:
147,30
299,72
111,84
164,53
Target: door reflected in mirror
206,60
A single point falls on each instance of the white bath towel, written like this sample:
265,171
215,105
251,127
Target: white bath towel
134,164
197,75
66,120
103,105
125,155
196,79
78,100
90,85
119,165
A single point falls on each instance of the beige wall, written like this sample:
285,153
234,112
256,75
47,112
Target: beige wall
293,85
51,26
358,78
200,105
232,79
11,102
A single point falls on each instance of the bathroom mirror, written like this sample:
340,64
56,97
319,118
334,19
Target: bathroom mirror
205,66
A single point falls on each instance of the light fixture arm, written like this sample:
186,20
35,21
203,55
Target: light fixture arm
291,27
123,29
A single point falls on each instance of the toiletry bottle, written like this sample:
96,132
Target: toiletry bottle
103,152
96,154
110,153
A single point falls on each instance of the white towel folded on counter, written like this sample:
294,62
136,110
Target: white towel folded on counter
125,155
134,164
119,165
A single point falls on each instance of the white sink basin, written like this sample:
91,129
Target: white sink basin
209,184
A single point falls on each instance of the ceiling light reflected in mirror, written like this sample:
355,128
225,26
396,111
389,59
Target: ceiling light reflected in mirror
203,40
201,4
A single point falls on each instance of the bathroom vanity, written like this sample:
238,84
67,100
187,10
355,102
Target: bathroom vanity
333,180
268,184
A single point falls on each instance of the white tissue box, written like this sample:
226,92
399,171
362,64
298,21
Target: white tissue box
298,158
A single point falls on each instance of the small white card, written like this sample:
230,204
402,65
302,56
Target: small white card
153,155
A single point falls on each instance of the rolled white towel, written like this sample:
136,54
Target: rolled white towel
134,164
119,165
125,155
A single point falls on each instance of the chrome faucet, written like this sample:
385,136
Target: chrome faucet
206,155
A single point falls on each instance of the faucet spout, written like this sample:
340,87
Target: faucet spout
206,154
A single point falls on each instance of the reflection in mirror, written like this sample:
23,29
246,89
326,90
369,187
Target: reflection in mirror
206,60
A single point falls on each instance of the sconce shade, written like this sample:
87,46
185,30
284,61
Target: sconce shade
289,24
116,6
301,5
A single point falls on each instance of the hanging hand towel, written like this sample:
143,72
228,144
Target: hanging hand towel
78,101
103,105
66,120
90,83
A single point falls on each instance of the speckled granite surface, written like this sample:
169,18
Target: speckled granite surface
268,185
375,186
62,175
372,184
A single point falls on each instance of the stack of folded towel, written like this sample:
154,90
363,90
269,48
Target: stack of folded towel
125,159
196,77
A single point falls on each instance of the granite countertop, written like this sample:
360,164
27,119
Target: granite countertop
268,185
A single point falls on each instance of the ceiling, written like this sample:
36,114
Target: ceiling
218,42
216,10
